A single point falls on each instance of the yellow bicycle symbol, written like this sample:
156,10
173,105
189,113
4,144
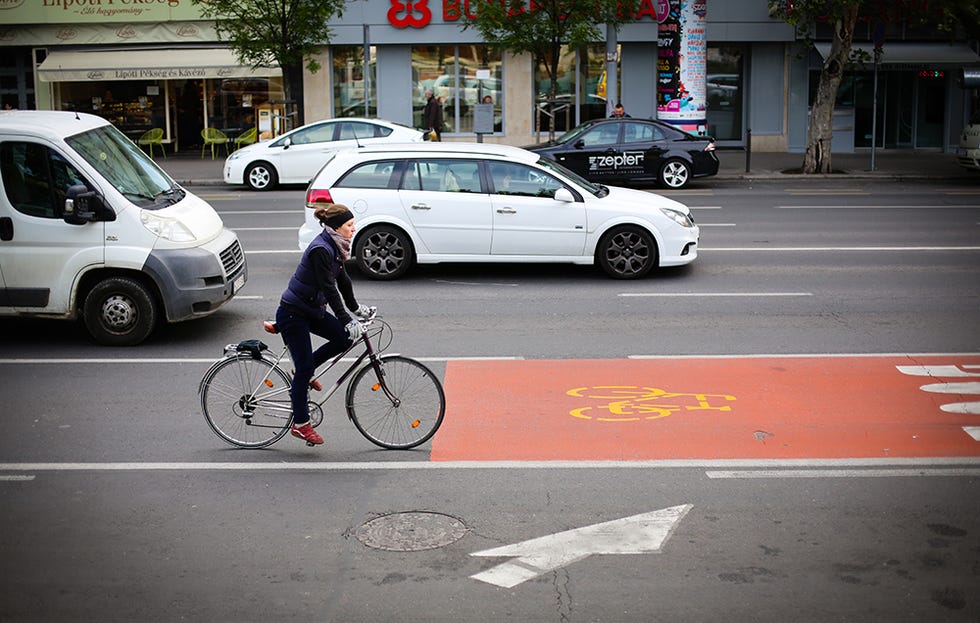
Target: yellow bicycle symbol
630,403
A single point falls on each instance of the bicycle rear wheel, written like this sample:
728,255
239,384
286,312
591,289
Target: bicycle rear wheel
246,401
403,413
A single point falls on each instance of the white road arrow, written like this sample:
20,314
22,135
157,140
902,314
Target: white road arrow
640,534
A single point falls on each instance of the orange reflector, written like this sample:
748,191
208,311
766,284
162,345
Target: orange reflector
416,423
268,382
376,387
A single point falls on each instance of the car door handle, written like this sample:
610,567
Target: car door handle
506,211
420,206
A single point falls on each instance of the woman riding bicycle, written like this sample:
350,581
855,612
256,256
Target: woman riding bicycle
319,281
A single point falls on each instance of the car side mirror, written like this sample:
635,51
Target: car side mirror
85,206
563,194
287,142
579,144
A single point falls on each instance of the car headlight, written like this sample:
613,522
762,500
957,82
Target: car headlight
678,217
167,228
235,155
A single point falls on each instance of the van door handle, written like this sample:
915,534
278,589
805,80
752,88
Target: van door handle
506,211
420,206
6,228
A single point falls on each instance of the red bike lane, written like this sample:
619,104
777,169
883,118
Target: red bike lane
711,408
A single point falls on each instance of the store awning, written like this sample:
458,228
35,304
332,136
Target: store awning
917,54
157,64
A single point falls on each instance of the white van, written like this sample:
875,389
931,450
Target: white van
91,227
968,153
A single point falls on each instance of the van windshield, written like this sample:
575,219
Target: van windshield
126,167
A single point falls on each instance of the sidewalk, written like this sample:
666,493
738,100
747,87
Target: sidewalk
189,169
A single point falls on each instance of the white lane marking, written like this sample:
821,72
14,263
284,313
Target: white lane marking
16,478
944,371
953,388
294,212
716,224
249,297
838,249
711,294
214,359
972,431
271,251
62,361
640,534
881,207
261,228
845,473
328,466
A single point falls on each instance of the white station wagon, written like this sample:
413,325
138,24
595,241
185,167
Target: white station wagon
474,202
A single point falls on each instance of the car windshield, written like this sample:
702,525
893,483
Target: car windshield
126,167
597,190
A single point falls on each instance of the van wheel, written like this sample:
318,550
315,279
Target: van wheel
627,253
120,312
383,252
261,176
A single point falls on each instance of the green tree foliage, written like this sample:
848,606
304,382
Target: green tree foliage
541,27
269,32
956,17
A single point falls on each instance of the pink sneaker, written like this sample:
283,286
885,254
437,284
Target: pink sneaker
307,433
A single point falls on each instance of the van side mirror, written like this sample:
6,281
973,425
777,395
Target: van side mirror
85,206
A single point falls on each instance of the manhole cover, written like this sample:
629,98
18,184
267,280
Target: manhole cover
410,532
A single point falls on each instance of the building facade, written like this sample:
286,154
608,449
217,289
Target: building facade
158,64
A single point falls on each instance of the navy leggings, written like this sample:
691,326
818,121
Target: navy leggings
295,329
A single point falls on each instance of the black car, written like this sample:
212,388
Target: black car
634,150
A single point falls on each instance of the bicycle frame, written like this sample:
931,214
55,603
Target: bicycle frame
369,353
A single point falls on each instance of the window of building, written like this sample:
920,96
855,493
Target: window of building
580,89
350,99
724,92
461,77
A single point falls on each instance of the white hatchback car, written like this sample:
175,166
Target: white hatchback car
476,202
296,156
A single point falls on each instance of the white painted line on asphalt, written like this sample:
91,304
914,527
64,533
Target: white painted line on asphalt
711,294
769,465
972,431
15,478
844,473
716,224
802,355
881,207
272,251
293,212
213,359
249,297
261,228
839,249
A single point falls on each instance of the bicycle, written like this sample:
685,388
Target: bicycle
395,402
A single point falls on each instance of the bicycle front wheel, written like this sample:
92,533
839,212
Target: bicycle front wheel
246,401
398,405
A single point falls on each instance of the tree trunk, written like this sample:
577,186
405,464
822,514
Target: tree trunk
820,131
292,86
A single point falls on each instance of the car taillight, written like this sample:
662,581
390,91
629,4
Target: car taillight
313,197
709,147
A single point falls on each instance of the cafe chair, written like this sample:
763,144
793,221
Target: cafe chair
212,137
246,138
152,137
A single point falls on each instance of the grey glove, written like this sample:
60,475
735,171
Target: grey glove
363,311
354,330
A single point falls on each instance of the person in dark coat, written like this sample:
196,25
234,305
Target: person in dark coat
432,115
320,282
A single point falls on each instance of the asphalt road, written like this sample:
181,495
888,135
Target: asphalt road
118,504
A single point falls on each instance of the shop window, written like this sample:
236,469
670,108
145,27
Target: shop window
461,77
724,92
583,74
349,96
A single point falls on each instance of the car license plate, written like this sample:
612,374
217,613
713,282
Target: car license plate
235,287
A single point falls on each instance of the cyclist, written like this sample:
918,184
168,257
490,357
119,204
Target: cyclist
319,281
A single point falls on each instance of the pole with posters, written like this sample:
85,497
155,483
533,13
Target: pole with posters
682,64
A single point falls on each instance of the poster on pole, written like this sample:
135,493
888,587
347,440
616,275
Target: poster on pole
682,63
